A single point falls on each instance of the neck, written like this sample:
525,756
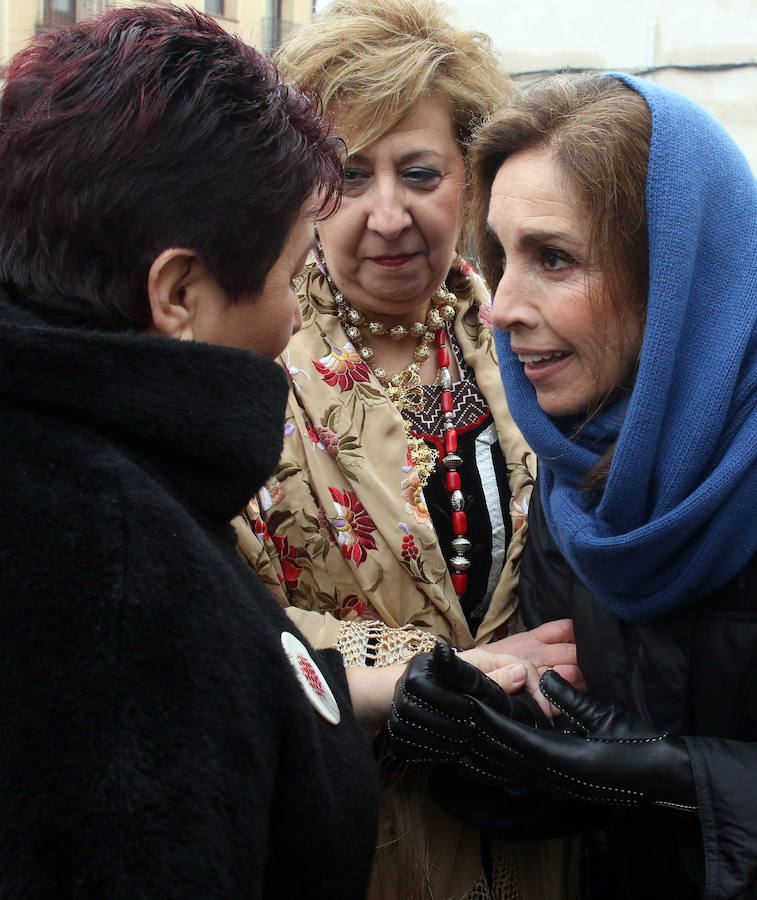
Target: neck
366,333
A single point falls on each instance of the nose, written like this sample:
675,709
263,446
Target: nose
512,307
389,211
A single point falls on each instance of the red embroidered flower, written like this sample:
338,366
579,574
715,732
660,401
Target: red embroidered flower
352,526
342,367
409,548
253,516
311,433
352,608
412,494
323,437
329,440
288,558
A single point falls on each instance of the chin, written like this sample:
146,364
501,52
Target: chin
559,408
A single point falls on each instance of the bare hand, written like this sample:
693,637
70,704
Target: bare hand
549,646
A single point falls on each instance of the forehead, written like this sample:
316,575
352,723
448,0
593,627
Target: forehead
531,186
429,122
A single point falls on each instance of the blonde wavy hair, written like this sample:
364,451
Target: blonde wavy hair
374,61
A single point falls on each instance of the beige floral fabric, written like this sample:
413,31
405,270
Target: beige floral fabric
341,528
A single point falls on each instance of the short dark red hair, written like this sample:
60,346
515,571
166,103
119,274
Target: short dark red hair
141,130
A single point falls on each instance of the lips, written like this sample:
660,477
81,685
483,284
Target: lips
541,366
393,261
547,356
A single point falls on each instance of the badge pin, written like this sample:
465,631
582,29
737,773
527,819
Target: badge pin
310,678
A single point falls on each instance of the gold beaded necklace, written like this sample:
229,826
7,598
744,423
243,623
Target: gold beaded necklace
405,390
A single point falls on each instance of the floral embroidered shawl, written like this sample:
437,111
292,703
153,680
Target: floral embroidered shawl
339,529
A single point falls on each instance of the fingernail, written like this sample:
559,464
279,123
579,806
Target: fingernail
517,673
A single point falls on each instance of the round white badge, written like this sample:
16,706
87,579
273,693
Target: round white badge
312,682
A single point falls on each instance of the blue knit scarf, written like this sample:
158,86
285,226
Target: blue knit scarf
678,516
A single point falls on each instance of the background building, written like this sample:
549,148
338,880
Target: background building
706,49
263,23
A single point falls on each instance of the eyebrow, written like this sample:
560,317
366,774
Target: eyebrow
403,160
529,238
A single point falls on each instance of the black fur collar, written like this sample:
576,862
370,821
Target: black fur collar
210,418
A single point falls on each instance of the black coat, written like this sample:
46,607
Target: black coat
691,674
154,741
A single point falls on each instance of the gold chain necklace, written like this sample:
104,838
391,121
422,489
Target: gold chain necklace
405,390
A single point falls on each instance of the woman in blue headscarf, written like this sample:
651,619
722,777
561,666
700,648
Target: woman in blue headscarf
619,223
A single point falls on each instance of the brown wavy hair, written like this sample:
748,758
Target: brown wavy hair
598,130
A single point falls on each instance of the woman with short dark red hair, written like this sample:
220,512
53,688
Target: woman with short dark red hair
165,731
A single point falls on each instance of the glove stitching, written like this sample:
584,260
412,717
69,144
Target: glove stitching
669,804
554,703
551,786
607,740
434,710
438,754
411,723
561,776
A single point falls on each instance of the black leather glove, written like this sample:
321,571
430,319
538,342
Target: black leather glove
601,755
432,721
434,710
606,756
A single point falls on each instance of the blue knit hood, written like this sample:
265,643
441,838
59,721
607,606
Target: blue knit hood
678,517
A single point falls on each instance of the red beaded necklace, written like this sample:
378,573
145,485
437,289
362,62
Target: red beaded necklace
423,458
459,563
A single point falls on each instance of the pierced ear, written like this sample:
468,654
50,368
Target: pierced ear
172,304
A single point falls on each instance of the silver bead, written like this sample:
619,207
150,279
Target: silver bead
445,379
448,419
451,461
456,500
461,545
460,563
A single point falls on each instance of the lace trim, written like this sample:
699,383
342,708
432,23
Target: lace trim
504,884
376,644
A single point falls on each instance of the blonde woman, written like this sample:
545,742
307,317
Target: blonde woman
397,513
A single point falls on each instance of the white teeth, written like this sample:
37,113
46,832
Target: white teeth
534,357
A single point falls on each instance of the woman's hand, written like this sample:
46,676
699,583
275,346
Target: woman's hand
434,710
371,692
372,687
550,646
514,662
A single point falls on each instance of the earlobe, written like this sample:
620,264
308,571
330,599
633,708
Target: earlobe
171,301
